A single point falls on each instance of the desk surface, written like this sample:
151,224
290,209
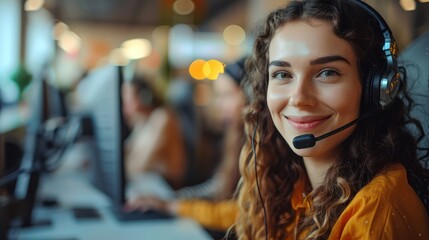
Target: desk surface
11,118
71,189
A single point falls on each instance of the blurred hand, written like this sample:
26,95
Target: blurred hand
145,203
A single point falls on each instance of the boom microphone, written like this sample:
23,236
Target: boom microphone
308,140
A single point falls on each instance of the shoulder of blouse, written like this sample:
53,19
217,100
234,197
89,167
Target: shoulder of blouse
386,208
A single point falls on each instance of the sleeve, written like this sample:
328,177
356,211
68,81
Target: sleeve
205,189
213,215
378,218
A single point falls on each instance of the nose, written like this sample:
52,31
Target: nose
303,94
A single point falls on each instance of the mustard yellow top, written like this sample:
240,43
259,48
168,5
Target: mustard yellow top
386,208
213,215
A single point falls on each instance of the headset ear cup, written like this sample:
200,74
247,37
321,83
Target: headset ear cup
373,98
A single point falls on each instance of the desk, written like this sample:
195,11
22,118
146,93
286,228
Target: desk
12,118
71,189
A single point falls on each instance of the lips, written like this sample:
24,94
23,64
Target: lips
306,123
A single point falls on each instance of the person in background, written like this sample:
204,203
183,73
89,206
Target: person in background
229,103
156,140
211,203
316,66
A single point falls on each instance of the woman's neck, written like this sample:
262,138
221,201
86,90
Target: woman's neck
317,169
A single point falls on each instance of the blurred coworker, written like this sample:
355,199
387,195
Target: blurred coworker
218,206
229,103
156,142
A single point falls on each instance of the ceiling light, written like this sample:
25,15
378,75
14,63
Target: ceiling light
33,5
70,42
234,35
183,7
408,5
136,48
59,29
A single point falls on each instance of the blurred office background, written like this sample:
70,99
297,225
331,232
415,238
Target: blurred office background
75,36
62,41
66,39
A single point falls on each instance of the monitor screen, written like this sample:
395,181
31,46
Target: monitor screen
35,149
100,97
102,103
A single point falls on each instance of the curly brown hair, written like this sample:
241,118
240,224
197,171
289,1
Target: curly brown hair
375,143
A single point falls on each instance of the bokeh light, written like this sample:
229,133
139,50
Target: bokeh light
33,5
59,29
136,48
70,42
234,35
201,69
196,69
118,57
408,5
212,69
183,7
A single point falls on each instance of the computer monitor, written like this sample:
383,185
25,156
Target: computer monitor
34,150
45,103
100,95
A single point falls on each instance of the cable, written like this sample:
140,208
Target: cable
11,176
229,232
69,136
257,182
62,137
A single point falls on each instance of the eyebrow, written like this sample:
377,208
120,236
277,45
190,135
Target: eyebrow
322,60
329,59
279,63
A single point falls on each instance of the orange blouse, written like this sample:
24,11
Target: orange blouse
386,208
213,215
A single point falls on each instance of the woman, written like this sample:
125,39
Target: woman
156,141
210,203
228,104
310,72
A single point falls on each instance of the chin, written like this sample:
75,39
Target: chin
306,152
314,151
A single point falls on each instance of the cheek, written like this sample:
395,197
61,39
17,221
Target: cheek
276,100
347,101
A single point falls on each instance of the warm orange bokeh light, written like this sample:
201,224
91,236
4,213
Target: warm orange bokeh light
200,69
212,69
196,69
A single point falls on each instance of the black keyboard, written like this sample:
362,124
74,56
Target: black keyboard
122,215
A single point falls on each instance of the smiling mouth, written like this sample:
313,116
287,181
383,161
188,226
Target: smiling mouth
306,123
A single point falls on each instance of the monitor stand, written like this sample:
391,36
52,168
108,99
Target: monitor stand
10,210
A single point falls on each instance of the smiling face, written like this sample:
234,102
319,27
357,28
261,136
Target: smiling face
314,85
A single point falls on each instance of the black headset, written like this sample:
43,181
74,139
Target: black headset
383,83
